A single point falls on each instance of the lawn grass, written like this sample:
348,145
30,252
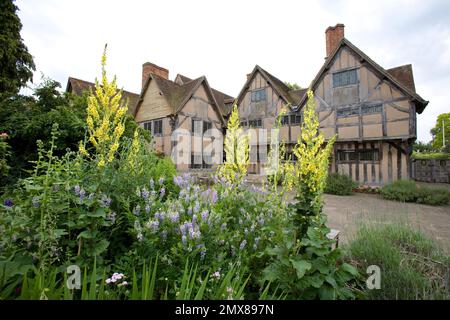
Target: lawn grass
413,266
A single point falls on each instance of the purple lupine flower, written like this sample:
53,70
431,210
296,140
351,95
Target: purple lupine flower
111,217
245,231
183,239
147,208
183,229
190,211
242,245
152,184
191,233
194,218
164,235
82,194
137,210
158,216
205,215
188,198
178,180
197,207
214,197
77,189
145,193
153,225
174,217
35,202
162,192
105,201
223,226
161,180
261,221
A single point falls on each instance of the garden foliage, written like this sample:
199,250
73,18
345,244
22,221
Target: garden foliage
113,205
412,265
339,184
409,191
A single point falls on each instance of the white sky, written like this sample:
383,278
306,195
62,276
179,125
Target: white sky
225,39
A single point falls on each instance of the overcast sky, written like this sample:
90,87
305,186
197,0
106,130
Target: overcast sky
225,39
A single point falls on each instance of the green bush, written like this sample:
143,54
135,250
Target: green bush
409,191
339,184
412,266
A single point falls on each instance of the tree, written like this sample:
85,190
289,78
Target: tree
442,123
293,86
423,147
25,119
16,63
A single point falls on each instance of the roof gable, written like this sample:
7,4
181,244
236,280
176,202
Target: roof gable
288,95
177,95
403,84
223,100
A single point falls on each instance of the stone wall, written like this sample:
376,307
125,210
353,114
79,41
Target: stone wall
431,170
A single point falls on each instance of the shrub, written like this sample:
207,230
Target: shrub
339,184
409,191
412,266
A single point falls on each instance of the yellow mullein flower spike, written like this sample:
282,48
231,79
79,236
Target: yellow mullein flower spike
105,118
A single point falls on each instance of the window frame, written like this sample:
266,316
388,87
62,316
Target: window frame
257,96
154,125
357,155
339,83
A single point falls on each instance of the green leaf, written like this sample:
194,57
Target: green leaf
100,247
60,232
86,235
300,266
350,269
270,273
326,293
331,281
100,212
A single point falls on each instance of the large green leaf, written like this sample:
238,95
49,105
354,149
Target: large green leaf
101,247
300,266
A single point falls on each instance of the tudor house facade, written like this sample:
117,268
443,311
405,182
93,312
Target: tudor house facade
185,117
371,110
259,103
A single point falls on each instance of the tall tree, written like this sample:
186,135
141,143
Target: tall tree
440,132
16,63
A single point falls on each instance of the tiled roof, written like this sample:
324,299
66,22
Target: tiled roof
404,75
224,101
77,86
178,94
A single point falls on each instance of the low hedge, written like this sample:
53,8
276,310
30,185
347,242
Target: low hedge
339,184
409,191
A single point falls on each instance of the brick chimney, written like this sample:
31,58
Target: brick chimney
150,68
333,36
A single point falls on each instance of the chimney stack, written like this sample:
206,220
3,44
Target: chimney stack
333,36
150,68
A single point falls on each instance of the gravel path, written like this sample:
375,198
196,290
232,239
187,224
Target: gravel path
346,212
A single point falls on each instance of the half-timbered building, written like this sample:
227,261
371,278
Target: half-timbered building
372,111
